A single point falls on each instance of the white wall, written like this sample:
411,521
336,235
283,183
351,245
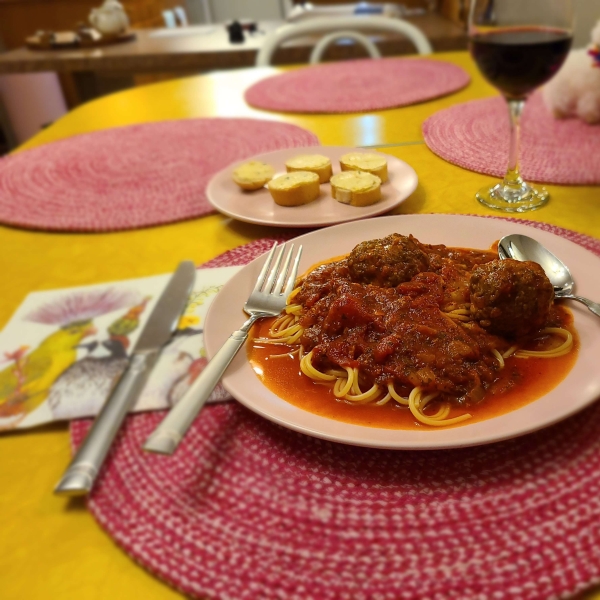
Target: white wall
31,101
588,13
226,10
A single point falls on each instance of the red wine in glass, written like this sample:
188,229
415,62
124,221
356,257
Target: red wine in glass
517,61
518,45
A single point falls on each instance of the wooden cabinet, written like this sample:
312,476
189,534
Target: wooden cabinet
455,10
22,18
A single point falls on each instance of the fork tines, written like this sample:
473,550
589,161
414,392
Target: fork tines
281,278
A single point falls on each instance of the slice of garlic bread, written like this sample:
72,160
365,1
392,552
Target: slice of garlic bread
294,189
356,188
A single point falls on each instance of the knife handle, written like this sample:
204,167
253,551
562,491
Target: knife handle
81,473
166,437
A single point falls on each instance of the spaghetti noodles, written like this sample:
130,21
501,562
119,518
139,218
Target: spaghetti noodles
420,343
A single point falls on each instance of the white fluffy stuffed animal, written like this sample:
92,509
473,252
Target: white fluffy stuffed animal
575,90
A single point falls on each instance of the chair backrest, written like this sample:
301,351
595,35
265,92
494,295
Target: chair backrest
326,41
181,16
169,19
333,24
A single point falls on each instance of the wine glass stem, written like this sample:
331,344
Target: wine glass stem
513,194
513,176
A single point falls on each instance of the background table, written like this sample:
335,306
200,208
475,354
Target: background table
189,50
51,547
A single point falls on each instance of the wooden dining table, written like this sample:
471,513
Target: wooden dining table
52,547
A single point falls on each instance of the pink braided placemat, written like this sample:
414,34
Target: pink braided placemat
133,176
475,135
246,509
357,85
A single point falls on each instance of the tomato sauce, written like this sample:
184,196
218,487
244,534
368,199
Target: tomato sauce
392,310
521,382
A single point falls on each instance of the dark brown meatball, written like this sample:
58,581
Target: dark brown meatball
510,298
387,262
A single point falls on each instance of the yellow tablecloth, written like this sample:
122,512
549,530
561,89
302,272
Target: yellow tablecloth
51,547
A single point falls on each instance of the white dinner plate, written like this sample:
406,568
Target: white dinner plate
579,389
258,206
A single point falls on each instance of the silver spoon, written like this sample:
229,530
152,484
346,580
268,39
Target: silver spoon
522,247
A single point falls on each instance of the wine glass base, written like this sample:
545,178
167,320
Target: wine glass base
513,199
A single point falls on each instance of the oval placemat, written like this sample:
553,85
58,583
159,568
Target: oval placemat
246,509
357,85
476,135
134,176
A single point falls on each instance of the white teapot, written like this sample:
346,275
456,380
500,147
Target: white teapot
110,19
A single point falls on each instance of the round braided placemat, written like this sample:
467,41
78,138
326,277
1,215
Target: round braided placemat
133,176
246,509
476,135
357,85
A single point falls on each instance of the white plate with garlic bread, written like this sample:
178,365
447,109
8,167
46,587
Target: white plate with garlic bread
280,188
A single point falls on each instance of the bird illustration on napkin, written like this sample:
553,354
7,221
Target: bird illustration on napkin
63,351
83,387
26,382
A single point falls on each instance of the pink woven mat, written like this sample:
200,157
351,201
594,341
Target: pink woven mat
133,176
246,509
357,86
475,135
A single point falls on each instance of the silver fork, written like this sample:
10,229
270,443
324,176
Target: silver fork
268,299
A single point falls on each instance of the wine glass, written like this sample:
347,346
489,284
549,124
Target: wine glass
518,46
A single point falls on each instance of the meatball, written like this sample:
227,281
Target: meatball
387,262
509,297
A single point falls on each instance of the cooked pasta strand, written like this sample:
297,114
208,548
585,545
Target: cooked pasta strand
343,385
457,313
294,309
337,372
442,412
286,331
384,400
294,292
414,403
290,353
564,348
307,368
499,357
458,316
367,396
394,394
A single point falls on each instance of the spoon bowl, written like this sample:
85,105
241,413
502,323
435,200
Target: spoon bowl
524,248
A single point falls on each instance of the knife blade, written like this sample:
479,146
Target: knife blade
81,473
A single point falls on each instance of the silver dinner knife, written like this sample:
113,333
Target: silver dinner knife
81,473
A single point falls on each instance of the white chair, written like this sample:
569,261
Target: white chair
326,41
343,26
181,16
169,19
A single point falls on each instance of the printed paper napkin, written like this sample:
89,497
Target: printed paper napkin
64,350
